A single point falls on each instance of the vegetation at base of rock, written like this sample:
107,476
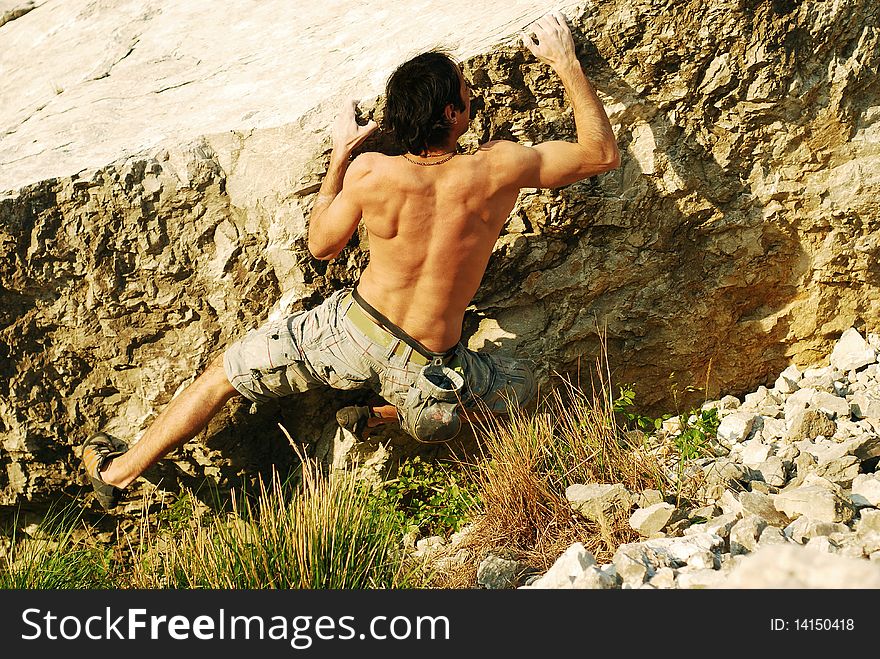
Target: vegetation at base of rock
696,431
529,460
323,531
50,558
328,530
435,498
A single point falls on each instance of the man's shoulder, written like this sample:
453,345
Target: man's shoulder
504,153
363,167
501,148
507,160
366,161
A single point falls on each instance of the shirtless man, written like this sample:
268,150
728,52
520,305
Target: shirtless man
432,216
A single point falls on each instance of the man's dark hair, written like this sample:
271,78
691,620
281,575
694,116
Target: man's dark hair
415,97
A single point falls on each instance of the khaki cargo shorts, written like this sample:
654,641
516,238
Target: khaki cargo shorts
342,345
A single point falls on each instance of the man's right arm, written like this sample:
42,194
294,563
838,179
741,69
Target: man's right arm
556,163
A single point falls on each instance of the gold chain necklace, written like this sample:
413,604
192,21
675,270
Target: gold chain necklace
431,164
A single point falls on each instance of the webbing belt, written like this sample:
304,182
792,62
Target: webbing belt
384,333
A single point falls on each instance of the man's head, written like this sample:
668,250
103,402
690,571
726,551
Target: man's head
427,102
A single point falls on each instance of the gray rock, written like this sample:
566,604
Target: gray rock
726,471
703,560
664,578
833,405
785,385
809,424
864,447
635,563
759,397
865,406
793,566
787,452
647,498
430,545
771,536
796,402
691,579
575,568
499,573
792,373
866,490
772,471
804,528
736,427
755,452
814,501
823,544
719,526
822,383
868,522
676,552
650,520
745,533
596,501
595,578
763,506
730,504
858,545
840,470
773,429
757,485
725,404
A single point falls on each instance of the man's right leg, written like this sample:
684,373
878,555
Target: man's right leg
181,420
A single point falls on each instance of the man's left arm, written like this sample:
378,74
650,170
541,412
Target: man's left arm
335,214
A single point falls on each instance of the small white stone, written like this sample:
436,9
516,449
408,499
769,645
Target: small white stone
852,352
754,453
792,373
735,427
866,490
650,520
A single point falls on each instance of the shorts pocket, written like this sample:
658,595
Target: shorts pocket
341,364
266,364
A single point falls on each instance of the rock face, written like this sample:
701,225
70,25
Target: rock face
157,190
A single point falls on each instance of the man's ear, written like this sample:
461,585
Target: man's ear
450,113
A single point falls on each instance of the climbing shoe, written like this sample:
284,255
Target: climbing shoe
354,419
97,451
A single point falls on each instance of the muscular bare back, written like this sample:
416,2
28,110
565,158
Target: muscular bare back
431,232
432,227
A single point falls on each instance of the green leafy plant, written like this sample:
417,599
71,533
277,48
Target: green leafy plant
698,428
432,496
625,405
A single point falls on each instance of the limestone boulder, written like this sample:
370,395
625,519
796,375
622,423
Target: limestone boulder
158,161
